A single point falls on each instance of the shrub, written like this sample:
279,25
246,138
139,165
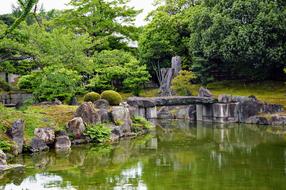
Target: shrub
98,133
181,84
4,85
91,97
52,82
114,98
26,82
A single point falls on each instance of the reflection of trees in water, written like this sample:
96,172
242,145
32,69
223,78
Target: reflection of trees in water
224,157
177,153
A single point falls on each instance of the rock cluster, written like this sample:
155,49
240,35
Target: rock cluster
272,119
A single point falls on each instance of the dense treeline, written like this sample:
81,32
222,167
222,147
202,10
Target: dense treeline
219,39
62,53
89,46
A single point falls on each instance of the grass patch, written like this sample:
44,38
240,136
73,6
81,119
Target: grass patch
35,117
268,91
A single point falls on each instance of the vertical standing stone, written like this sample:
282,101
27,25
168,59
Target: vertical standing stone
220,112
207,112
142,112
151,113
233,109
199,109
16,133
167,75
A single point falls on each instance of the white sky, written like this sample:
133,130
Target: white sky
146,5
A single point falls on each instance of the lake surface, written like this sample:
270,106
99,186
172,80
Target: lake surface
177,155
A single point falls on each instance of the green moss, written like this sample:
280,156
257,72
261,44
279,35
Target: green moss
119,122
91,97
35,117
114,98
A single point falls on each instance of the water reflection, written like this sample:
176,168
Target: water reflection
178,155
40,182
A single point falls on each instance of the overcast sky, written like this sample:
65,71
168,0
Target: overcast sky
146,5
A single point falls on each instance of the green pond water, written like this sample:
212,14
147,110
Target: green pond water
178,155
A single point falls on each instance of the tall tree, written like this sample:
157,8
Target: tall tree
110,23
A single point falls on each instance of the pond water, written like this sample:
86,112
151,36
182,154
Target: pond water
177,155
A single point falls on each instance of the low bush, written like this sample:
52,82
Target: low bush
98,133
114,98
91,97
26,82
53,82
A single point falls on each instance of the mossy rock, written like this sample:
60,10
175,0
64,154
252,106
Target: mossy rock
114,98
91,97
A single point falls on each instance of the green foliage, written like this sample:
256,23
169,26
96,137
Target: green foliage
52,82
4,85
113,97
159,42
136,77
27,82
219,39
27,7
117,67
140,123
91,97
5,146
181,84
101,19
98,133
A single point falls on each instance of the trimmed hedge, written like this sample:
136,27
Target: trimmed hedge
91,97
114,98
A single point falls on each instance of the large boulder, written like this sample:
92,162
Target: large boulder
104,115
121,116
16,133
101,104
47,134
38,145
88,113
76,127
63,143
203,92
248,107
116,133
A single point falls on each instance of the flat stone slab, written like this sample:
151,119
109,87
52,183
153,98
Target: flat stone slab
169,101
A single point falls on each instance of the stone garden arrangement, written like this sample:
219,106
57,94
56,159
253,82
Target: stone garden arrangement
121,119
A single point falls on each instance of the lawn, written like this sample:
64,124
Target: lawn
268,91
